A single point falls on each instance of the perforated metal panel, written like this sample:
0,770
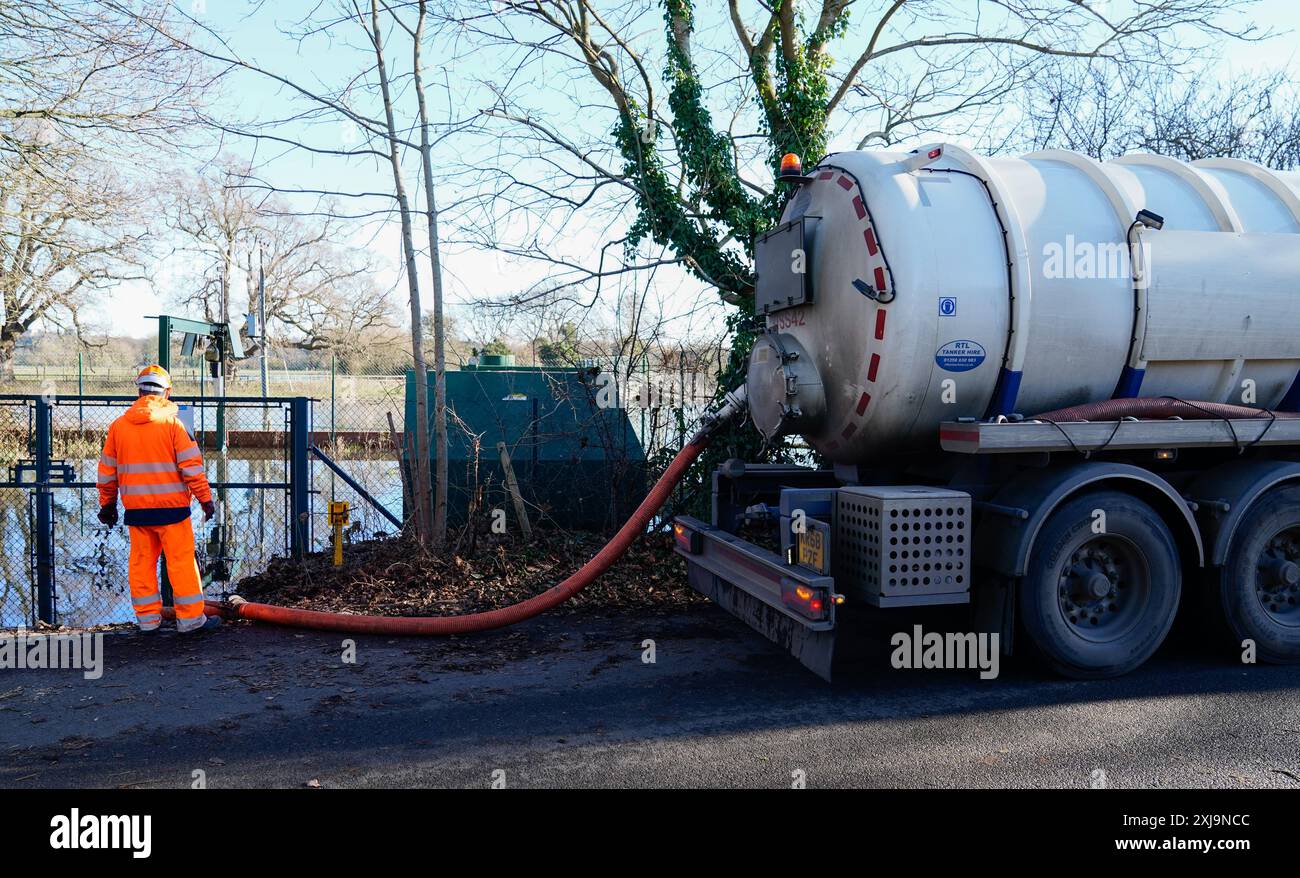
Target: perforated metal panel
901,545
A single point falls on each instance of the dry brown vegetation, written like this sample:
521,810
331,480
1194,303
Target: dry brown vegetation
384,578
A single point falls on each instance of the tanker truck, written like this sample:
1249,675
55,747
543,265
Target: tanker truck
1054,391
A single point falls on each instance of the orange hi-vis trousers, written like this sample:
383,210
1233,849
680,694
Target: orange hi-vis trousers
176,543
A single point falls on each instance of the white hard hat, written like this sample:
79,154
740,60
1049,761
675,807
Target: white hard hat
153,376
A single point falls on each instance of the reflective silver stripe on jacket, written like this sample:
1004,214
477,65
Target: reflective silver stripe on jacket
167,467
192,451
160,488
107,480
191,471
107,461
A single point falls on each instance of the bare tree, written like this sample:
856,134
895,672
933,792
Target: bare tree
320,290
393,144
1105,114
66,234
97,74
435,264
85,87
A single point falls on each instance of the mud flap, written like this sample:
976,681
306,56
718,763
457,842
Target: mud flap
815,649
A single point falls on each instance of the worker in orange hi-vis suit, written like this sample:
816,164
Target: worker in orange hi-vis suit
151,460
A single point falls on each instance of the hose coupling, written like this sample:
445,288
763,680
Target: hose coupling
734,405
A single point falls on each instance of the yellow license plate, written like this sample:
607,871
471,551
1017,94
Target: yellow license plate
811,550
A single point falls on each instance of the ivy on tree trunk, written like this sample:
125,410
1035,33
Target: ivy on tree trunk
714,223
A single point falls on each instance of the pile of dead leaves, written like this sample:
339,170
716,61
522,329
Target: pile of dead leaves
397,577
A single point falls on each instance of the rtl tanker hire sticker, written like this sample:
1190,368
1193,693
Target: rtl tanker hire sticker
960,356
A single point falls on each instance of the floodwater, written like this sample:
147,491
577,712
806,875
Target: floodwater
90,560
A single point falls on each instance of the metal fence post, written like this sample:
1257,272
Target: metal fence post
299,477
44,514
165,342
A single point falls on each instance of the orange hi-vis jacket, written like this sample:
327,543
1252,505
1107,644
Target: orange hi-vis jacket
151,461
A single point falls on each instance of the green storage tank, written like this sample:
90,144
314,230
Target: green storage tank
578,465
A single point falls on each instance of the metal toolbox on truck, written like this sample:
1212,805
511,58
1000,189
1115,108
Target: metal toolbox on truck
902,545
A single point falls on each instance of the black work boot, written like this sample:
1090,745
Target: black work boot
208,624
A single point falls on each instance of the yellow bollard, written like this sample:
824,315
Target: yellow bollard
338,518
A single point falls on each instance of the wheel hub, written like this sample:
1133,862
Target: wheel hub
1278,584
1280,573
1098,585
1101,588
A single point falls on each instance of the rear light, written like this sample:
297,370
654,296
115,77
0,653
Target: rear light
916,159
812,603
687,540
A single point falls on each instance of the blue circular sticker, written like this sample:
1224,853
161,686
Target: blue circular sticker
960,356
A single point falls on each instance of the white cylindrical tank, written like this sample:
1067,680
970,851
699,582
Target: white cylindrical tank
941,284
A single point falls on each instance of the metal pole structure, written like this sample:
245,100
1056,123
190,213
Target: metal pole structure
219,372
299,477
81,434
261,328
165,342
165,360
219,391
334,449
203,410
44,515
263,341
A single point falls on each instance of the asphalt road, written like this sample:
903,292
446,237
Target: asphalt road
567,701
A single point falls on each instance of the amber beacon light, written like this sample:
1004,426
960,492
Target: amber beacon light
791,167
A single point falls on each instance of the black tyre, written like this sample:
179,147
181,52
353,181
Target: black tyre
1095,604
1255,595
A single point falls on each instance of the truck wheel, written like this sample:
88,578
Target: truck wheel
1255,595
1099,604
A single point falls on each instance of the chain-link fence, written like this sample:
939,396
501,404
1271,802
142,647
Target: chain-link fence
358,424
16,510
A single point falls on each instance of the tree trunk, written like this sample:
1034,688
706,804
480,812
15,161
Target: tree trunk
435,259
8,344
421,450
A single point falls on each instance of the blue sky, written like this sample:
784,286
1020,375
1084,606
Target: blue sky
253,32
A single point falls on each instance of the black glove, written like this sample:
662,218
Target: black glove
209,510
108,514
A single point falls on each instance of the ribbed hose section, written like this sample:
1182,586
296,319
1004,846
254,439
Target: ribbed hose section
1156,408
440,625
